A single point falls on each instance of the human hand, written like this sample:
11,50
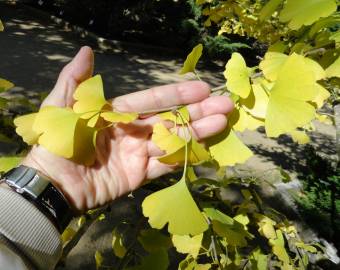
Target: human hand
125,154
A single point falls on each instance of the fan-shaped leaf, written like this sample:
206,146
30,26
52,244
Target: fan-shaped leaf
237,75
306,12
174,206
192,59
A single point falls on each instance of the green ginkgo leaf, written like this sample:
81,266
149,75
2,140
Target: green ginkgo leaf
89,97
99,259
57,127
259,260
237,75
227,149
157,260
225,226
5,85
8,163
119,117
268,10
306,12
152,240
24,128
192,59
67,234
176,207
117,244
188,245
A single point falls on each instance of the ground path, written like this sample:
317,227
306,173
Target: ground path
33,50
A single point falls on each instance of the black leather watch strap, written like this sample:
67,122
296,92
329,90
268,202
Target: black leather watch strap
38,189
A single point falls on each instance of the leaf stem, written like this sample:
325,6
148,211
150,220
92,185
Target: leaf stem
197,76
186,145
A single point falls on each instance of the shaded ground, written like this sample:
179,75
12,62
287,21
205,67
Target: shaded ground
33,51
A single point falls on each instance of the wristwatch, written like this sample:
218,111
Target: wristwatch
38,189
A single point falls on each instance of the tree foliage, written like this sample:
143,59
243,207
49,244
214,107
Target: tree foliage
283,94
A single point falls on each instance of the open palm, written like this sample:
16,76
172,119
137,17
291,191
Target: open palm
125,154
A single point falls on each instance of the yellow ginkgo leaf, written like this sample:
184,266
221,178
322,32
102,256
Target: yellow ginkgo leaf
93,120
256,103
315,67
300,137
324,119
237,75
57,128
266,226
89,97
5,85
196,154
306,12
192,59
272,64
174,146
84,147
188,245
240,120
24,126
119,117
1,26
334,69
321,97
166,140
227,149
177,116
174,206
288,106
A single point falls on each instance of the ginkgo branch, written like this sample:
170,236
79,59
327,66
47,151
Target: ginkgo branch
315,51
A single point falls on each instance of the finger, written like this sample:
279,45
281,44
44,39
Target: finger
210,106
156,169
200,130
75,72
162,97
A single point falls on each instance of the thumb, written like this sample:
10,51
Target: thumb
75,72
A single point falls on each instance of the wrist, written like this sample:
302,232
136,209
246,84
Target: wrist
44,162
37,189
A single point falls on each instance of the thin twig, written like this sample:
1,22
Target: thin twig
315,51
148,112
